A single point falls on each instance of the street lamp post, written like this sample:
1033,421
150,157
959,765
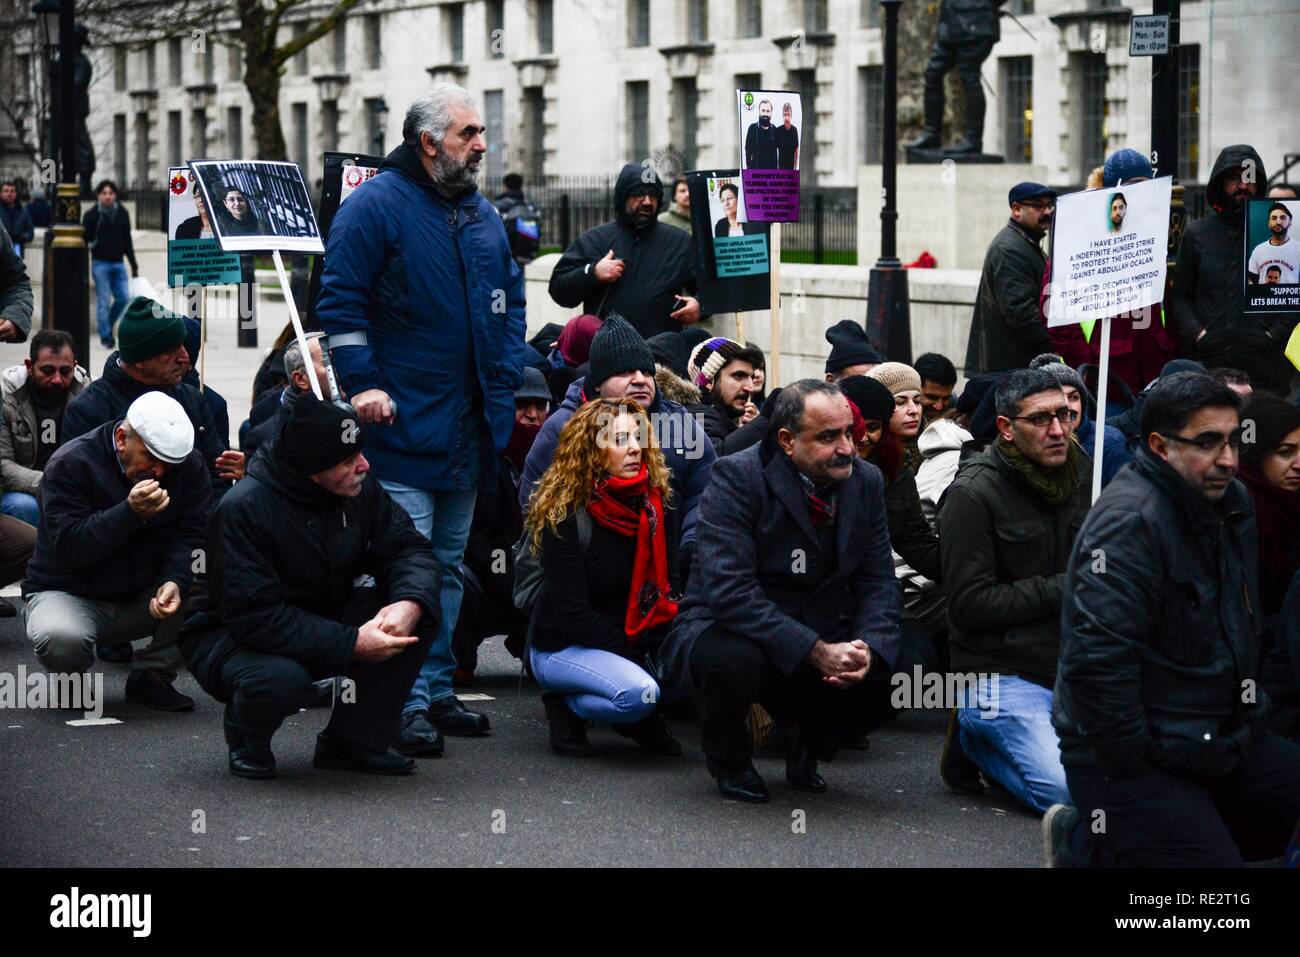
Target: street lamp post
1164,120
66,294
888,320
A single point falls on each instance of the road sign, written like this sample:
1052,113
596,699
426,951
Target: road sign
1149,35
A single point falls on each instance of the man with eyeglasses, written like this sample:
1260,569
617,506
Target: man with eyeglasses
1005,331
1007,526
35,395
1162,727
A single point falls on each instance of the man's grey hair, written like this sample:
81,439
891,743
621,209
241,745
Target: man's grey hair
787,411
293,360
431,112
1019,385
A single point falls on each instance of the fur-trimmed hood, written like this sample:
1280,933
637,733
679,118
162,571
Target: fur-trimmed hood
674,388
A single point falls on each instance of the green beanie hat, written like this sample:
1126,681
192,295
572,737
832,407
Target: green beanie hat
148,329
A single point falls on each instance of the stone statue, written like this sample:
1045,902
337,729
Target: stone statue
967,31
82,72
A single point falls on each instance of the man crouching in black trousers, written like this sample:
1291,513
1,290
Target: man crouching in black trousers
794,605
283,552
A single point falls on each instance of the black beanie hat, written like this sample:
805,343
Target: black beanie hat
671,350
615,349
973,394
317,435
849,346
871,396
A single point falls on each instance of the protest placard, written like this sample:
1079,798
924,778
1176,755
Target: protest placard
194,257
1271,270
258,206
770,127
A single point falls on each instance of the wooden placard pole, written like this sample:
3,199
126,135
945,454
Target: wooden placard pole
740,328
203,338
297,323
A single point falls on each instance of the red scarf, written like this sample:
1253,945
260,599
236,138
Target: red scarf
632,507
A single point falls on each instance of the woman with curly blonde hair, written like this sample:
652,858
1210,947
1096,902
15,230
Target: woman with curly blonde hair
605,607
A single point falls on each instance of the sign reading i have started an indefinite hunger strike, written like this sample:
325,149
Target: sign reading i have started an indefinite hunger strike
1108,251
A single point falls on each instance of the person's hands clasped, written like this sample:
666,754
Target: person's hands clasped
230,465
842,664
609,269
399,618
166,601
373,405
147,498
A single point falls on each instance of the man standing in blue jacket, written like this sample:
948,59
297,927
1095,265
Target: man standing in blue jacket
425,307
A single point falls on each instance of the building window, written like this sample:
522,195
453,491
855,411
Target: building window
869,15
209,62
1092,131
494,118
151,66
1020,8
340,34
142,160
872,93
374,50
453,25
174,156
120,169
697,21
638,120
119,70
198,134
1018,109
496,29
299,58
235,132
815,18
1189,112
804,82
378,134
234,61
544,20
300,137
329,126
685,118
535,132
749,18
174,70
638,23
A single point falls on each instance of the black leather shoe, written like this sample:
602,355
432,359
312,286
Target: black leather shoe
568,731
119,653
960,774
928,140
415,736
652,734
452,718
248,759
966,146
333,754
747,785
146,688
801,771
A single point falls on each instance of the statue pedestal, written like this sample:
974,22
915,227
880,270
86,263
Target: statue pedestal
938,156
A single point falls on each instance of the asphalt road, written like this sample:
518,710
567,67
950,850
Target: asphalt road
134,794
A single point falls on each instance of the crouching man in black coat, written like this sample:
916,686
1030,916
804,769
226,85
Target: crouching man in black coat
1162,723
792,601
284,550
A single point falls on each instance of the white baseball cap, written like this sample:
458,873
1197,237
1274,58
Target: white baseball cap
163,427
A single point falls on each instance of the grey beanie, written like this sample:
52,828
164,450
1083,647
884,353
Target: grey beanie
1051,362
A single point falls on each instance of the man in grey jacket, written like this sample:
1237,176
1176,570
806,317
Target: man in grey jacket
35,395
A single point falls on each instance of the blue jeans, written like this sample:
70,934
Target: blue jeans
110,279
444,518
1007,731
600,685
21,506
